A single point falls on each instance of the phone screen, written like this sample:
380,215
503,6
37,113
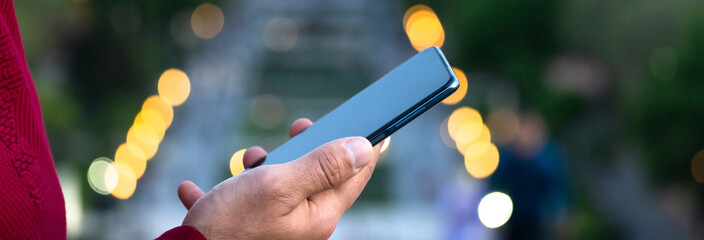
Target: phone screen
381,108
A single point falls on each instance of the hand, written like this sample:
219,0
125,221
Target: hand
301,199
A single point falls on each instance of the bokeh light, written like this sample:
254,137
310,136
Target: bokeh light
385,145
102,177
158,104
207,21
495,209
174,86
468,137
142,140
458,95
698,166
470,132
280,34
267,111
423,27
236,162
464,119
411,11
126,181
481,159
153,119
138,164
504,126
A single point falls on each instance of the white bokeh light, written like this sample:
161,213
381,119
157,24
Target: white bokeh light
495,209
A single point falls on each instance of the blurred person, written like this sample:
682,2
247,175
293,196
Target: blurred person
531,173
301,199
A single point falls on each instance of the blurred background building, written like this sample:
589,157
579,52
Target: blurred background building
581,120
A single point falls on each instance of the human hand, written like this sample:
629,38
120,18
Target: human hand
301,199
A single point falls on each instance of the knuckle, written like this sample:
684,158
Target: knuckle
331,165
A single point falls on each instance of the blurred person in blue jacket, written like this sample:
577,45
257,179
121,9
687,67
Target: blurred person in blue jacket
531,171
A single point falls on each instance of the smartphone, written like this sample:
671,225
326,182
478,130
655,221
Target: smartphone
381,108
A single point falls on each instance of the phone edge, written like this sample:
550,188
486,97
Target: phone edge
410,114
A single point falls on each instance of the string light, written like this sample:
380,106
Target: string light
161,106
463,142
472,139
423,27
142,140
136,163
119,178
126,181
481,159
154,120
464,117
102,177
174,86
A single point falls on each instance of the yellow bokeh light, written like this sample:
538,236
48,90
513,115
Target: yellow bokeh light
423,27
137,163
126,181
161,106
410,12
481,159
142,140
236,162
458,95
153,119
174,86
207,21
466,134
469,136
698,166
495,209
463,116
385,145
102,176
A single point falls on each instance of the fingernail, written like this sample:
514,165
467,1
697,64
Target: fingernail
360,149
258,163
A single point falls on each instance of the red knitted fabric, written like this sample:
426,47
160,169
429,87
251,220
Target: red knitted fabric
182,232
31,203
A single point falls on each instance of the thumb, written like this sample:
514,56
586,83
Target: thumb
189,193
329,165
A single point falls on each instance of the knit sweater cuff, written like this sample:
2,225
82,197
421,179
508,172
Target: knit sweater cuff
183,232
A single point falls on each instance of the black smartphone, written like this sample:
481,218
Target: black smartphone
380,109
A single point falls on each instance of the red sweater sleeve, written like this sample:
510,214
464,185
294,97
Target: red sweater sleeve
31,202
184,232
